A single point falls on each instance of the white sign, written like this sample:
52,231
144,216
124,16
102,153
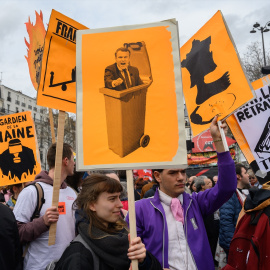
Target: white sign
254,120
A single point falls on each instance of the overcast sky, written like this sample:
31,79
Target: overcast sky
191,15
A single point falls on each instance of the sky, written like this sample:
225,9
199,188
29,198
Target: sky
191,15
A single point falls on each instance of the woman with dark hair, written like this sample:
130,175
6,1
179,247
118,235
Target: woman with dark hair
103,231
192,186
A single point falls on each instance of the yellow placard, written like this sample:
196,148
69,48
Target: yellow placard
57,88
19,154
237,131
141,126
213,79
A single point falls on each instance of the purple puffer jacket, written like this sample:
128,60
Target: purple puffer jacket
151,220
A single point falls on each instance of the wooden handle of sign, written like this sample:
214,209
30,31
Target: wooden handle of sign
52,125
223,137
131,211
57,172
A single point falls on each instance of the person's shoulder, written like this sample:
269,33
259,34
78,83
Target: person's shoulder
71,191
111,67
5,211
76,254
29,189
142,203
231,202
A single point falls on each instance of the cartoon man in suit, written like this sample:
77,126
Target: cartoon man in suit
121,75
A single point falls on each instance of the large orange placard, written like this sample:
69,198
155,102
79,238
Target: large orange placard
138,127
57,88
213,79
19,154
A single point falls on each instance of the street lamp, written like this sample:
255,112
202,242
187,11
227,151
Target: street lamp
263,30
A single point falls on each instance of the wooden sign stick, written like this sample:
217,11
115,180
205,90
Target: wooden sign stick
131,210
52,125
57,172
223,137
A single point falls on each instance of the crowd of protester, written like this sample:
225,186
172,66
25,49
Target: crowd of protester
183,221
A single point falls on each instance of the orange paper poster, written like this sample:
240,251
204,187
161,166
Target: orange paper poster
57,89
62,208
19,154
35,48
213,79
130,110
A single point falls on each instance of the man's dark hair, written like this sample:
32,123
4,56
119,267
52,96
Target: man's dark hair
104,172
153,176
67,153
238,168
122,49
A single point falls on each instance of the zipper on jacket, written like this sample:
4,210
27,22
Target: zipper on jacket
185,231
163,246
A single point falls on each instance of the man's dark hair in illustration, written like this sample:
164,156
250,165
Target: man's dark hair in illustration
122,49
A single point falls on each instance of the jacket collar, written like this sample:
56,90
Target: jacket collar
257,199
157,203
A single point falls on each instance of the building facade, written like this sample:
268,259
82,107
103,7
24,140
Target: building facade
12,101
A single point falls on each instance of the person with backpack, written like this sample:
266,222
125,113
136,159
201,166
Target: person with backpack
103,237
250,245
34,225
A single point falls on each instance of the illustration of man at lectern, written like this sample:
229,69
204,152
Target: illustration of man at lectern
121,75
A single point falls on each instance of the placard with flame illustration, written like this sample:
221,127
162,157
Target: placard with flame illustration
35,47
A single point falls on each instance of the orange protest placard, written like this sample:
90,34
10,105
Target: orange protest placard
57,87
213,79
19,154
137,121
35,48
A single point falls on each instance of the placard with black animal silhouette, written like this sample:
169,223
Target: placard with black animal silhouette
214,82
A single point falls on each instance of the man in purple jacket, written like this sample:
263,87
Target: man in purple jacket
177,237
